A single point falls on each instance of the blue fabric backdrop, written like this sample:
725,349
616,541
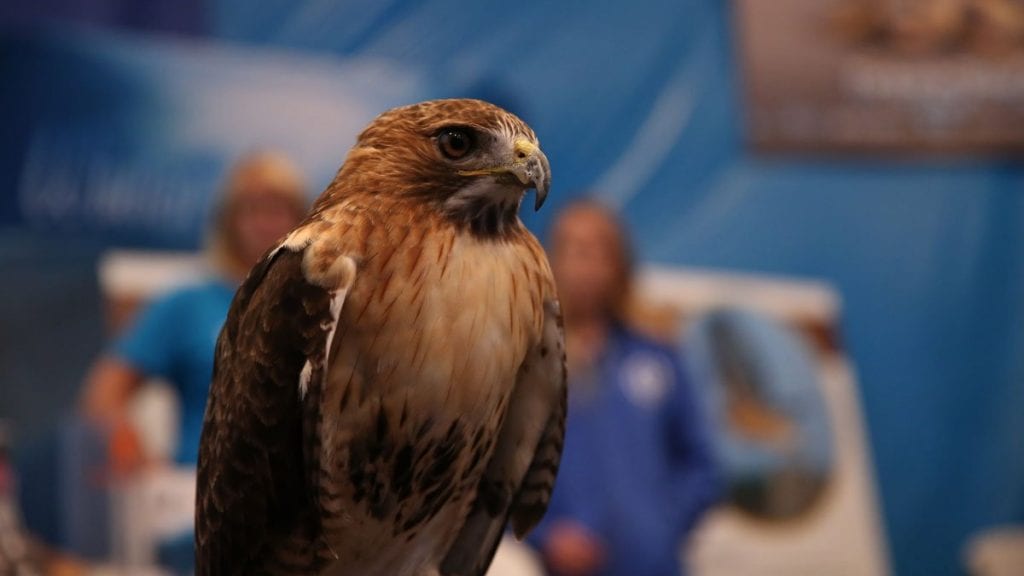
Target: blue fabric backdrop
638,102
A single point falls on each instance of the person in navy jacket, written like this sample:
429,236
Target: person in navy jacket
637,471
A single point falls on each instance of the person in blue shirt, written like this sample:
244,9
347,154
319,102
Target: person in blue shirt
174,336
637,471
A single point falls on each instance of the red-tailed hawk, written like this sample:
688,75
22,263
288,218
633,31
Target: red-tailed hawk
389,388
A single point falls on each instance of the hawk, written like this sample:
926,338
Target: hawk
389,389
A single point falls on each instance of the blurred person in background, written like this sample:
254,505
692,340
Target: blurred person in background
174,336
637,471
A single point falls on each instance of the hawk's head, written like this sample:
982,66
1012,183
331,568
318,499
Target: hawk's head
473,159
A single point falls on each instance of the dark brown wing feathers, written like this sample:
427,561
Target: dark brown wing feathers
535,492
252,482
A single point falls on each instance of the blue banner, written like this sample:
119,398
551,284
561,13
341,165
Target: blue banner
126,138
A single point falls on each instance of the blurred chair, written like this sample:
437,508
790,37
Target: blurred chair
150,509
841,534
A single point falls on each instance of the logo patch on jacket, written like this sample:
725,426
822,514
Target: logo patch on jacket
645,379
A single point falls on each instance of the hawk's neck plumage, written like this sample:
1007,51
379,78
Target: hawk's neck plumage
389,387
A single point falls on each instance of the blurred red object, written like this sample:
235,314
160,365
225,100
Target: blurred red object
127,455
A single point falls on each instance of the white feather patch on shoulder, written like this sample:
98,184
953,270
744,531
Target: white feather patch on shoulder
336,303
297,239
304,376
339,275
331,326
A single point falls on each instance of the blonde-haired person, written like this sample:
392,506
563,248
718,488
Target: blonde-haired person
174,337
637,471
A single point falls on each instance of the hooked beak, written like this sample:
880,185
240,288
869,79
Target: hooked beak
531,167
528,165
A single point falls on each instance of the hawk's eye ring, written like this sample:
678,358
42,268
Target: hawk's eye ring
455,143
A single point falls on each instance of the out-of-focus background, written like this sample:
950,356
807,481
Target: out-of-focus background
849,170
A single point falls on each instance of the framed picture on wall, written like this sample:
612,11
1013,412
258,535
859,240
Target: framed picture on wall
911,76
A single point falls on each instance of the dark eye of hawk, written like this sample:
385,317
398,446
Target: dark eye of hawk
455,143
